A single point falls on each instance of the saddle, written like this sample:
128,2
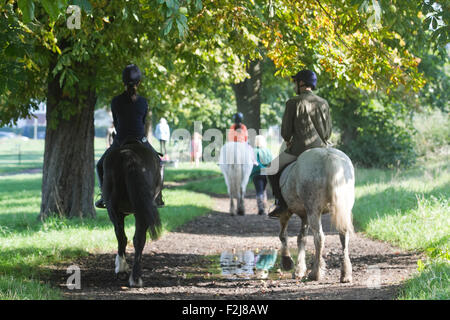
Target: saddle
133,140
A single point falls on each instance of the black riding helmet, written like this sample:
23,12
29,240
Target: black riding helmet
131,75
307,76
238,117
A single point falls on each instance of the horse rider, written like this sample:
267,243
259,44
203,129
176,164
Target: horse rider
129,111
263,156
238,131
306,124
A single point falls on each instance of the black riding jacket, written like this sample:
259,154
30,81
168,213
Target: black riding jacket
128,116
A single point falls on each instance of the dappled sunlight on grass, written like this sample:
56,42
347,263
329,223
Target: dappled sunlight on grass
430,284
410,209
391,192
410,229
187,171
20,288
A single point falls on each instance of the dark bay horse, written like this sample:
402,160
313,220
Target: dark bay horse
131,182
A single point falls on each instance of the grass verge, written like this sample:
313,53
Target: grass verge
410,209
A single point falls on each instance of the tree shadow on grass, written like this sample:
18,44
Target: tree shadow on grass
33,261
28,224
390,201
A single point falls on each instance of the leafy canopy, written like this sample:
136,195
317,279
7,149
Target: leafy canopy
182,44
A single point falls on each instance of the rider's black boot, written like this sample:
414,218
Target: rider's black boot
281,205
159,200
280,208
100,203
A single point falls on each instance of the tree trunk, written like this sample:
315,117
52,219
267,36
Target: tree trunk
248,97
68,174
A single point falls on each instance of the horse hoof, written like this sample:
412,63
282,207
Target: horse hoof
298,275
287,263
315,276
135,283
121,265
121,276
347,279
241,213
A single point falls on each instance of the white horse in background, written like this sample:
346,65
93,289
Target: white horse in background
236,161
321,180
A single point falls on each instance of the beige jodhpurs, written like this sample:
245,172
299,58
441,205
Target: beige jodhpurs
278,163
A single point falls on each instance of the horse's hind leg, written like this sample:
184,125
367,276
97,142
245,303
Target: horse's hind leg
135,279
319,241
346,268
119,229
232,210
286,261
300,270
241,203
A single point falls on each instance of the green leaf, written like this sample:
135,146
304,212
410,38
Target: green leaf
84,5
52,8
198,5
167,26
170,4
61,78
27,8
181,25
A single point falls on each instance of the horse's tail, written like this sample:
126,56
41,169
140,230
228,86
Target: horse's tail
341,191
141,186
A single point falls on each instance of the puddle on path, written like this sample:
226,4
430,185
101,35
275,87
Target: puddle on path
258,264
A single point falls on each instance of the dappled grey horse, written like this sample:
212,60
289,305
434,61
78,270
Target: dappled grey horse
320,181
236,161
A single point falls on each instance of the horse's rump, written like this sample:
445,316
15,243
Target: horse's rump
286,172
236,163
323,177
236,153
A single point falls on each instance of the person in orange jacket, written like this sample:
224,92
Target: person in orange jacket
238,131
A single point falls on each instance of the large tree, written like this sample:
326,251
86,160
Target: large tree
69,76
248,95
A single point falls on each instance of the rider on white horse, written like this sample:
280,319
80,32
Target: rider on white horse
306,124
238,131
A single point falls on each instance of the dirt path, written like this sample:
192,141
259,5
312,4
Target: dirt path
177,267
